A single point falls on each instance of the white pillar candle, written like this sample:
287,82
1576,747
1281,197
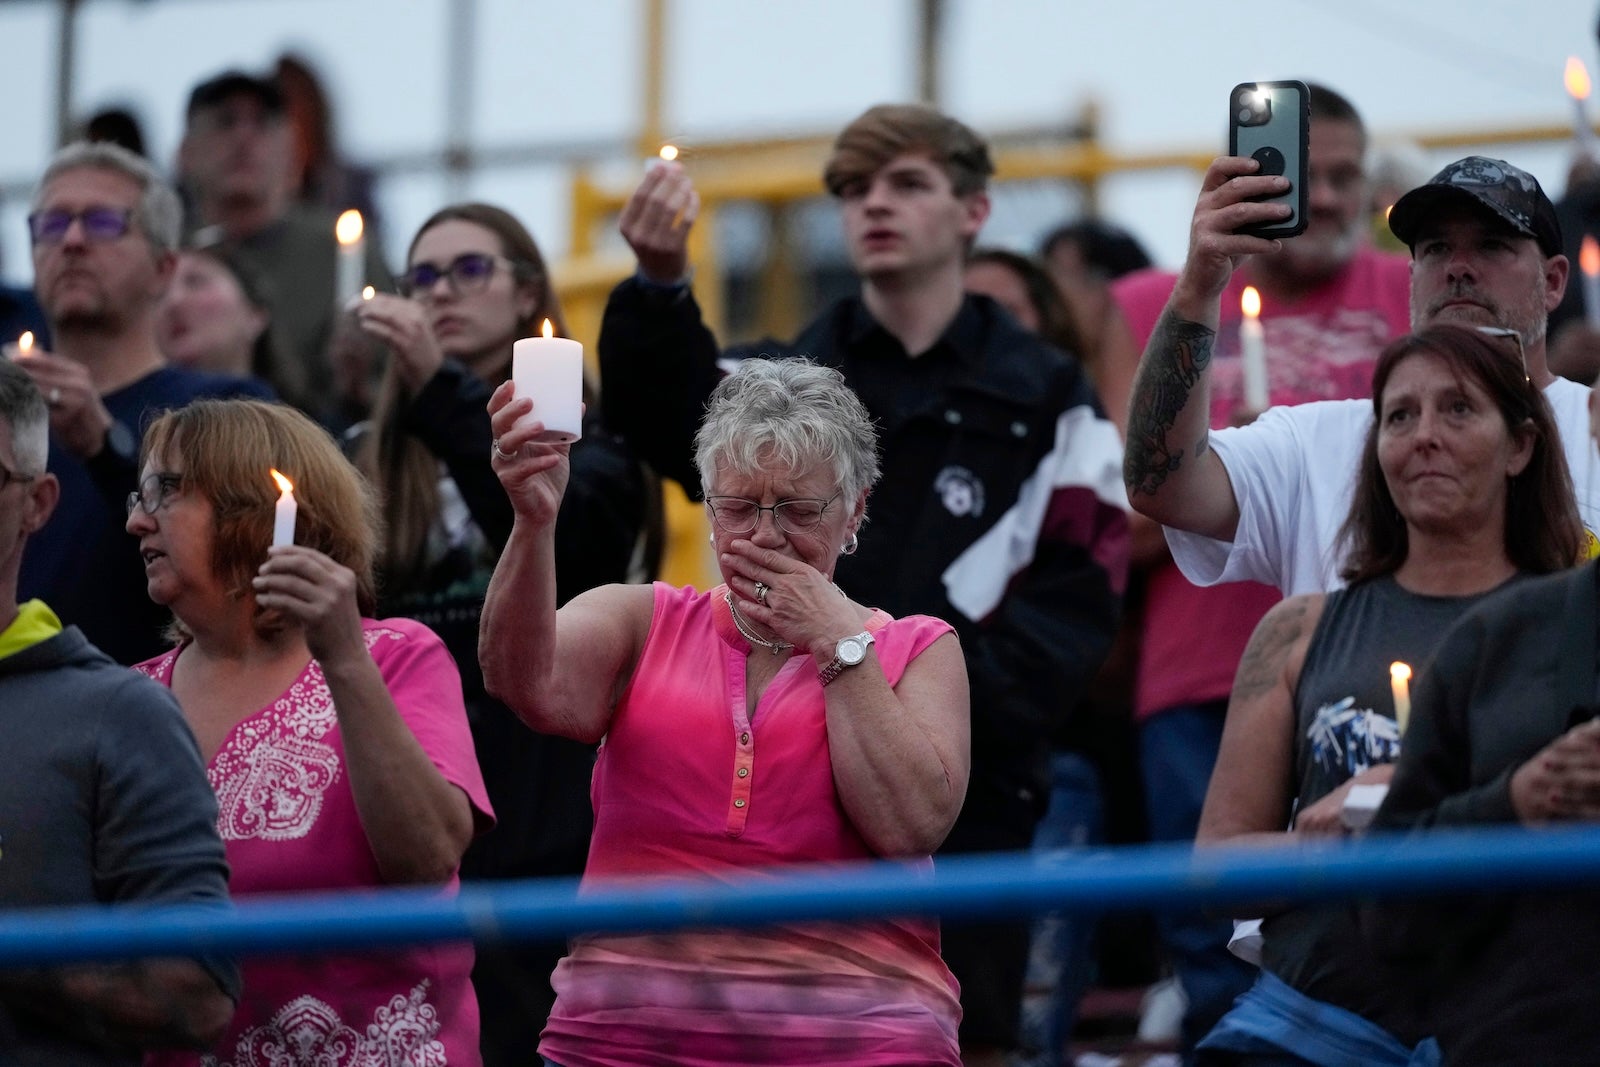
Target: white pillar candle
1589,266
1400,689
1577,81
549,371
1253,351
352,265
284,513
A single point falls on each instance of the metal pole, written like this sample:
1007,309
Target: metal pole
930,17
66,58
651,133
459,85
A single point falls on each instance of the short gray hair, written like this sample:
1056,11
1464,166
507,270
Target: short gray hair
23,409
159,212
791,412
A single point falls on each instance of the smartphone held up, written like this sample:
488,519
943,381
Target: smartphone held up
1269,122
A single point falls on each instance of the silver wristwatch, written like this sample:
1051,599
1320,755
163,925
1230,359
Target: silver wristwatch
849,652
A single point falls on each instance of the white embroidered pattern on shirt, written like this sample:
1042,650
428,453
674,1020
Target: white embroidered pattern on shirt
308,1033
271,774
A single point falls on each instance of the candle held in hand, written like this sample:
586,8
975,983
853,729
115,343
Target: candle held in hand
1400,689
549,371
283,515
1589,264
1577,82
351,269
1253,350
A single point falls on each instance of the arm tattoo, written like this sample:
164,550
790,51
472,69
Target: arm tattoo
1178,353
1261,666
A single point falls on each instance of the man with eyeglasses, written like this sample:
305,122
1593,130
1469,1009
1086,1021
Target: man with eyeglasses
235,166
1265,502
104,228
103,800
998,510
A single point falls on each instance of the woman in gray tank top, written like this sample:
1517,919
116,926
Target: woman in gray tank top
1463,489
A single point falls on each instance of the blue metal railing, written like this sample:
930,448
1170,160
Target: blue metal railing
1156,876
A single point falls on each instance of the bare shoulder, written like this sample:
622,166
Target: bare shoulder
1277,647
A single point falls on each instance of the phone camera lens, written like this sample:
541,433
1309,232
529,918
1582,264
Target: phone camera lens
1244,114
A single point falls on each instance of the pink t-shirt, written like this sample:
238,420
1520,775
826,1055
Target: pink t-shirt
687,784
1321,347
289,823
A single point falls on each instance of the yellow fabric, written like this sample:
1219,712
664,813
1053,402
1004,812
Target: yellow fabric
35,622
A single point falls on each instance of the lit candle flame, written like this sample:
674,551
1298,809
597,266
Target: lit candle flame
1386,212
25,343
549,331
1589,256
349,227
1577,79
284,484
669,152
1399,672
366,294
1250,302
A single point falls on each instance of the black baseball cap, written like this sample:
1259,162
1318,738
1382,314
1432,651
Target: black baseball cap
1510,193
232,83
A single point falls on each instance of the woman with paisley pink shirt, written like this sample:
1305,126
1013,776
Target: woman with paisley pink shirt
338,744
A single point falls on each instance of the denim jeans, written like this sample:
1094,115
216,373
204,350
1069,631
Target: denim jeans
1060,960
1177,749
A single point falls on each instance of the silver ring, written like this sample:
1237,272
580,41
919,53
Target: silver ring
55,395
495,448
761,593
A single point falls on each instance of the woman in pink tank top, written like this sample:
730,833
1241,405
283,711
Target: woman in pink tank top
768,721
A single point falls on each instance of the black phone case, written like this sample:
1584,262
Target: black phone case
1281,145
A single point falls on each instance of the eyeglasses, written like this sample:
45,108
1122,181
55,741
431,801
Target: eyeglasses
467,273
737,515
100,224
1506,331
7,476
155,492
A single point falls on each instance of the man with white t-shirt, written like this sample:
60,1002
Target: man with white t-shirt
1265,502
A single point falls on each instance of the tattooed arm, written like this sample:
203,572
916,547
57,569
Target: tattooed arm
1252,787
1171,474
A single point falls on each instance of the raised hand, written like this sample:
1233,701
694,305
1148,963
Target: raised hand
402,324
77,416
319,594
532,472
1228,201
656,222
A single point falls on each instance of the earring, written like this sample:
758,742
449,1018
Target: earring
712,537
850,546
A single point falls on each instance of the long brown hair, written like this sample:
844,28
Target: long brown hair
402,468
1542,529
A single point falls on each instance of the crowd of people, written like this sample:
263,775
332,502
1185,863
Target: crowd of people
460,666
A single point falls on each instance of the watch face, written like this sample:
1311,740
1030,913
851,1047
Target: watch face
851,651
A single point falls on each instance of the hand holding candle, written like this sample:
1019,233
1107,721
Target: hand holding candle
549,371
1253,351
1577,81
351,268
1589,265
285,511
1400,688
